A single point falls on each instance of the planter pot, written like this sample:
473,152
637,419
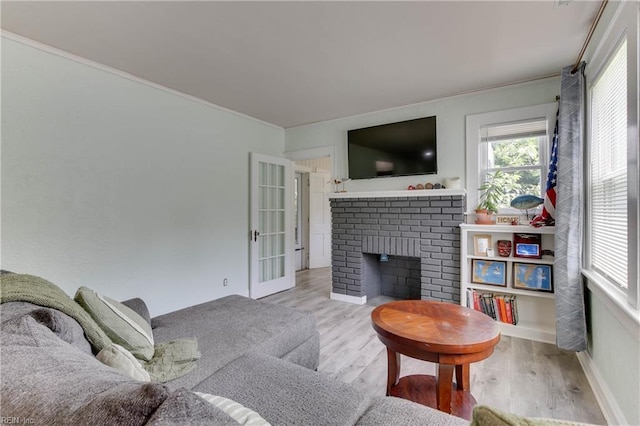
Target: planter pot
484,217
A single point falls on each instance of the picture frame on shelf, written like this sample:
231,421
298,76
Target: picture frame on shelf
529,276
481,243
527,246
491,272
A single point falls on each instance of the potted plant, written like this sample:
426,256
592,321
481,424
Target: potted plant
493,189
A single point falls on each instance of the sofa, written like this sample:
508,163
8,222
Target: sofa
255,364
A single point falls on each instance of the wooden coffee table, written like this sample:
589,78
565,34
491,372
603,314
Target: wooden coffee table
450,335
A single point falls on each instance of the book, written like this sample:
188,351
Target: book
500,307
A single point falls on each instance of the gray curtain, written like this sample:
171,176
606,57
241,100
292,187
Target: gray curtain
571,329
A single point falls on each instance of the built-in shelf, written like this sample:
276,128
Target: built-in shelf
397,194
536,309
543,261
508,228
510,290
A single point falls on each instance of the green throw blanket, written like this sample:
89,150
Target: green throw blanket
36,290
170,359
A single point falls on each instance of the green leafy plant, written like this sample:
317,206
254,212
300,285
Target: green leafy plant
493,190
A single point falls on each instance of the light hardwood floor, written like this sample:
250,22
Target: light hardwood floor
523,377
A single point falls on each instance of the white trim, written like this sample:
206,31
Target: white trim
311,153
615,301
402,193
607,402
105,68
350,299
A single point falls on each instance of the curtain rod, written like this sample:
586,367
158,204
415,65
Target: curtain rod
591,30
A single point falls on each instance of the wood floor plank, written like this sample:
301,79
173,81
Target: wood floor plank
523,377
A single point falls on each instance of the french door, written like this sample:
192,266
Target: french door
271,235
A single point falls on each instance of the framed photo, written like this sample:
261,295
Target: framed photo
492,272
527,245
481,243
528,276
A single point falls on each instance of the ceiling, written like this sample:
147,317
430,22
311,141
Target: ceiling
292,63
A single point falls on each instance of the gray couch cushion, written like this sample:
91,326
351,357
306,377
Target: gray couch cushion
45,380
62,325
183,407
287,394
229,327
139,307
52,382
396,411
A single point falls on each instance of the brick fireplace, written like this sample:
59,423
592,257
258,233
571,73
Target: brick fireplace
417,231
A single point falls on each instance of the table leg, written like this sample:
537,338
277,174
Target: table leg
393,369
462,377
444,376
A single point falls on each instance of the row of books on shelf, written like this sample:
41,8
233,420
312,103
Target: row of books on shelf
500,307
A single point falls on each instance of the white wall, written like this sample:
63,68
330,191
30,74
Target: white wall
450,122
120,186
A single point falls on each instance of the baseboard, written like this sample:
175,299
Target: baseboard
607,402
351,299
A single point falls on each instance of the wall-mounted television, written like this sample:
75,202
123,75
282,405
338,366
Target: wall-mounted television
394,149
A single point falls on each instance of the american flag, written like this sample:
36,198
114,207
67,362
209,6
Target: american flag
547,217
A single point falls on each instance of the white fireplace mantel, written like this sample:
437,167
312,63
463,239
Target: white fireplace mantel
403,193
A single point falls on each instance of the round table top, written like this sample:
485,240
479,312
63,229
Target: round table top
436,326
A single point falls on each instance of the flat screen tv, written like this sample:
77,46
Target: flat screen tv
395,149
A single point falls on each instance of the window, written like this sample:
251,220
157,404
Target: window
612,238
607,198
514,142
517,151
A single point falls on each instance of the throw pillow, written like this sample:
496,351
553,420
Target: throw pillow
487,416
121,359
120,323
237,411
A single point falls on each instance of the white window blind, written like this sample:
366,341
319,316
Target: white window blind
519,130
608,171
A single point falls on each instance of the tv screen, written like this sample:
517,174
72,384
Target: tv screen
395,149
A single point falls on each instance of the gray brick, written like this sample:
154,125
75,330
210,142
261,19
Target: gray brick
441,295
452,210
431,210
431,287
443,256
411,210
452,277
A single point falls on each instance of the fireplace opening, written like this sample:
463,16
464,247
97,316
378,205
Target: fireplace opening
397,276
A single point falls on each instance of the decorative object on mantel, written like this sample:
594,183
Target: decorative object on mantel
419,186
526,202
337,182
437,186
411,187
492,192
428,185
452,183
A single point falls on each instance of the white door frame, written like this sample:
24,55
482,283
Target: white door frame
260,286
309,154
